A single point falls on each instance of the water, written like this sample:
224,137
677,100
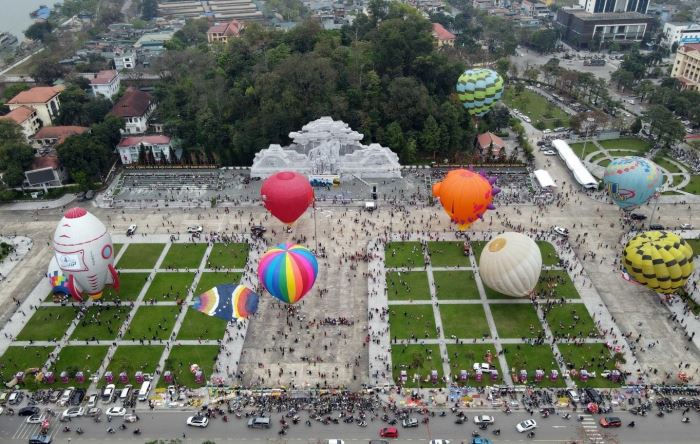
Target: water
14,15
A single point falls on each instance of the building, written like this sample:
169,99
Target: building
26,118
154,43
598,6
221,32
124,59
484,5
105,83
46,171
134,107
535,9
158,146
442,36
489,142
585,30
52,136
681,33
686,67
42,99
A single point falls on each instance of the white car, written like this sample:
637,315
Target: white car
92,401
198,421
439,441
195,229
549,153
527,119
116,411
108,392
484,419
686,226
36,419
131,230
561,231
73,412
546,131
526,426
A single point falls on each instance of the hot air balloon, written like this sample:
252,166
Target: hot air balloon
631,181
286,195
228,302
659,260
479,89
511,264
288,271
465,195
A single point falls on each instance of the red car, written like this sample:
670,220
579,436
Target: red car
610,421
389,432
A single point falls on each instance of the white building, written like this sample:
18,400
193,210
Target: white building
598,6
42,99
535,9
26,118
681,33
158,145
124,59
105,83
134,107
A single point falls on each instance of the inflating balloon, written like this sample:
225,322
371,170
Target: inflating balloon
479,89
511,264
659,260
286,195
466,195
228,302
288,271
631,181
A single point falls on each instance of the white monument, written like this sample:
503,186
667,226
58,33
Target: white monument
327,147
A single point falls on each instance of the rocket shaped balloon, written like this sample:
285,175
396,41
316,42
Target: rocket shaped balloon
83,259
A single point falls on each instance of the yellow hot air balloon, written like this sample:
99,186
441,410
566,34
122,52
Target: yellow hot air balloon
659,260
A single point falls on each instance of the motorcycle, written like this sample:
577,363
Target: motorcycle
497,432
531,435
685,420
631,424
660,414
308,423
363,424
425,420
282,432
225,418
79,431
475,434
392,421
122,427
137,432
443,413
459,421
66,429
111,430
567,416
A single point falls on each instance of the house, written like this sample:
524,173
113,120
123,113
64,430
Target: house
489,141
52,136
134,107
443,36
42,99
158,145
46,171
26,118
680,33
221,32
585,30
153,43
105,83
535,9
124,59
686,66
484,5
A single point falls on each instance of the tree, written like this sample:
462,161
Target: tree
48,71
82,180
664,125
430,136
82,153
623,78
544,40
394,138
39,31
149,9
13,176
636,126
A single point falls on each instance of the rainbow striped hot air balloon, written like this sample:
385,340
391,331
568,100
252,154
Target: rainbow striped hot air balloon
288,271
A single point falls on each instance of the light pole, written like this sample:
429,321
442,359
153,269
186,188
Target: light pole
589,121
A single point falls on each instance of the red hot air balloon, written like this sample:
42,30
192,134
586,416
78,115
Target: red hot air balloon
287,195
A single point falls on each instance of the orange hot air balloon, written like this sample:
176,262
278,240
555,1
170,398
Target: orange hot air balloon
466,195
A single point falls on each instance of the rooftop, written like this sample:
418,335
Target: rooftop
103,77
45,162
132,104
58,132
38,94
441,33
487,139
156,139
18,115
602,16
688,47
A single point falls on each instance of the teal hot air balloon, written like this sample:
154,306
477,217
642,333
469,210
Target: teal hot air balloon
631,181
479,89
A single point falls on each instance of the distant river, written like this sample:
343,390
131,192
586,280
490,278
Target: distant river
14,15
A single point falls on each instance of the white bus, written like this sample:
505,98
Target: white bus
143,392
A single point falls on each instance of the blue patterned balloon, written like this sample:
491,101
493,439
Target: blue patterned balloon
631,181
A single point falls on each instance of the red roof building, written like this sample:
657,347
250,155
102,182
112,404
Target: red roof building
26,117
105,83
156,147
42,99
134,107
51,136
489,141
221,32
443,36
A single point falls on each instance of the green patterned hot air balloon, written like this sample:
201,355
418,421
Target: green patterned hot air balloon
479,89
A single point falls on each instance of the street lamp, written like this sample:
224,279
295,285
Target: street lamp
589,121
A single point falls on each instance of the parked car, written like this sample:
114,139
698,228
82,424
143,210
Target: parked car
116,411
610,421
260,422
561,231
549,153
687,226
80,196
409,423
77,397
89,194
198,421
195,229
73,412
15,398
108,392
94,411
484,419
656,227
573,395
439,441
637,216
40,439
29,411
389,432
131,230
36,418
526,426
593,395
92,401
55,395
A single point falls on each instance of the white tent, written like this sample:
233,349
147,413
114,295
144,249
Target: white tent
544,179
573,163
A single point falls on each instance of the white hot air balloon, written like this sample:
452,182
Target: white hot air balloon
511,264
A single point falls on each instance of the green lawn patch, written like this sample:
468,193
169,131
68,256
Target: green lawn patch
47,323
133,358
101,322
117,248
664,162
416,359
695,245
182,356
169,286
197,325
530,358
627,143
463,357
536,107
403,254
228,256
83,358
693,186
407,285
448,254
516,320
570,320
549,254
185,255
591,357
412,321
141,256
130,285
455,285
154,322
212,279
556,284
19,359
604,163
477,248
464,321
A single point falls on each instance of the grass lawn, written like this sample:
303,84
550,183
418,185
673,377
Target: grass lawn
130,285
182,356
627,143
169,286
463,357
403,254
117,248
407,285
210,280
477,248
464,321
47,323
562,320
197,325
448,254
133,358
558,283
536,108
407,320
155,322
577,147
455,285
80,358
186,255
228,256
693,186
531,358
101,322
598,156
695,245
604,162
140,256
592,357
663,162
515,320
19,359
549,254
420,359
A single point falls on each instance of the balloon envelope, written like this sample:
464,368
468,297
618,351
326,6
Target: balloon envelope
479,89
465,196
288,271
511,264
631,181
286,195
227,301
659,260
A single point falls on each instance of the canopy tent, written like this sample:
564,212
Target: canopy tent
573,163
544,179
